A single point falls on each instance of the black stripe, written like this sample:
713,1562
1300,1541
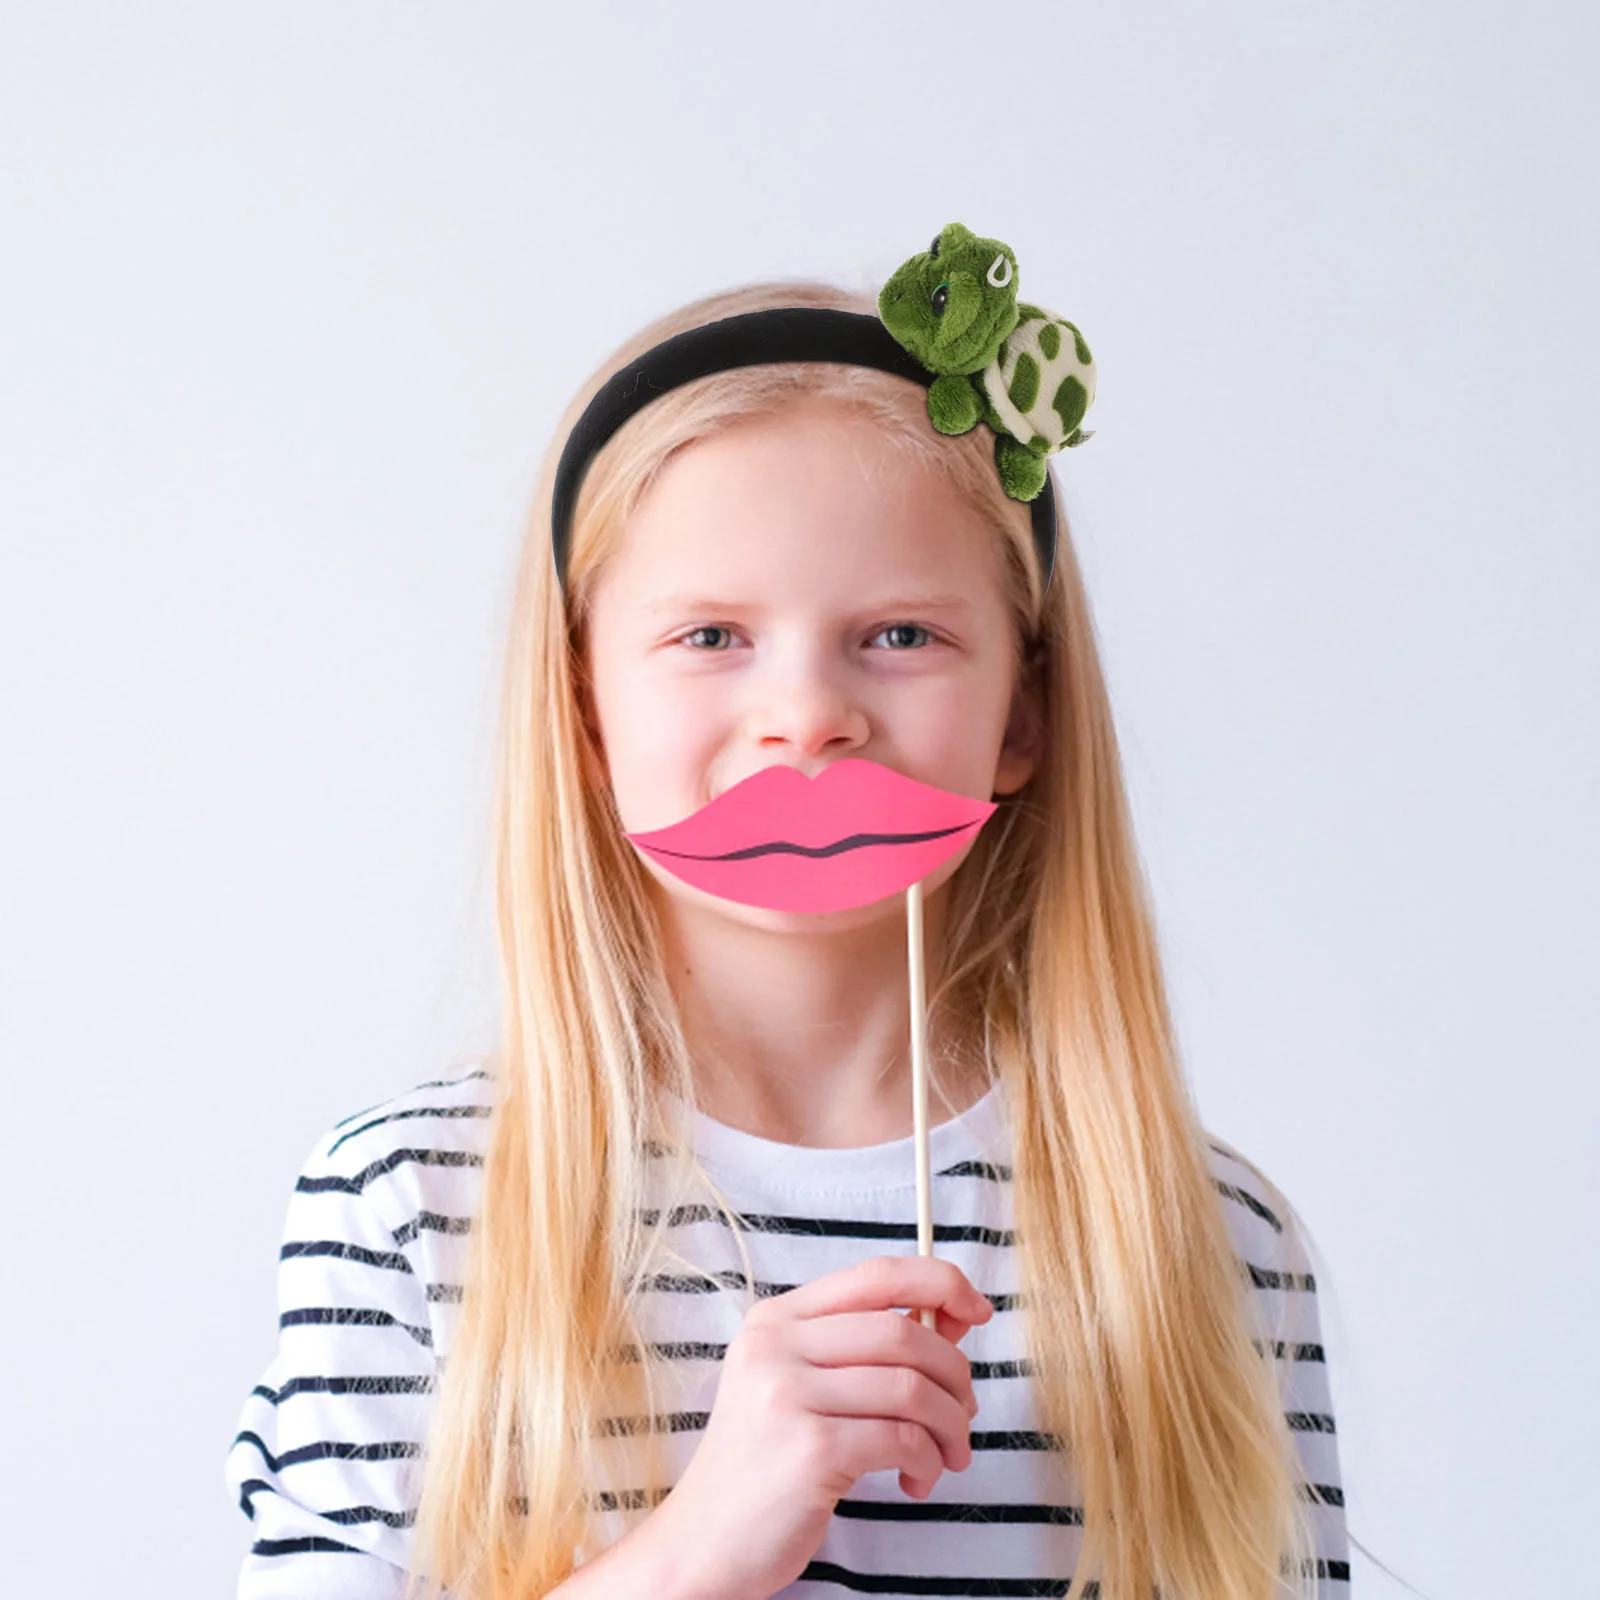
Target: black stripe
400,1116
1249,1201
433,1083
675,1350
352,1516
906,1583
999,1172
833,1227
1265,1278
431,1222
315,1385
613,1500
304,1546
958,1511
1311,1422
1297,1352
349,1516
962,1511
666,1422
1021,1367
330,1450
248,1490
350,1317
719,1352
390,1260
1010,1439
729,1278
395,1158
712,1282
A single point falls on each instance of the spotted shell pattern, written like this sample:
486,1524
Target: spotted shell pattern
1042,382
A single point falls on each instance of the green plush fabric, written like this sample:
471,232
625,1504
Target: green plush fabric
999,360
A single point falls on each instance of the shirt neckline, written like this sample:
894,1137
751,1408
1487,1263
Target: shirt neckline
771,1166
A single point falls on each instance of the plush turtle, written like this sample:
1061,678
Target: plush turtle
1023,370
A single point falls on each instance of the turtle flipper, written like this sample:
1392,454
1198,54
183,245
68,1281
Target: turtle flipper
953,404
1022,473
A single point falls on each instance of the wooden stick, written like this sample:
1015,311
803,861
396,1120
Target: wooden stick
919,1079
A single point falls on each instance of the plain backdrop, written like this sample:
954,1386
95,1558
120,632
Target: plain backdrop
291,298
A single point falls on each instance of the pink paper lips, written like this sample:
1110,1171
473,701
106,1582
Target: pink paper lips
856,833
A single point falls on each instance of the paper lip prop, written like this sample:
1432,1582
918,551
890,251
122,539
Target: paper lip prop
856,833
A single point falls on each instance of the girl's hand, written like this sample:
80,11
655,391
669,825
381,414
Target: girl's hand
819,1386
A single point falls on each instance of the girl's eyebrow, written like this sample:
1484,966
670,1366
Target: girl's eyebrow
710,604
689,602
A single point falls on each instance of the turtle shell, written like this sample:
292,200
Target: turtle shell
1042,381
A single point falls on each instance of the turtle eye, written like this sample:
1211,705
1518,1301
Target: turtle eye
933,249
940,296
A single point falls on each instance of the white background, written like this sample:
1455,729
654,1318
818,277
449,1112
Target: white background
291,297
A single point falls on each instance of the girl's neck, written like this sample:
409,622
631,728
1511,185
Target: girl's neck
802,1039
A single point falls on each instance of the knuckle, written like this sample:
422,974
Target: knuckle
886,1270
770,1389
908,1388
906,1329
812,1444
755,1342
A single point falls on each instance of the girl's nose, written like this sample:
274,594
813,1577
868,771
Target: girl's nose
809,711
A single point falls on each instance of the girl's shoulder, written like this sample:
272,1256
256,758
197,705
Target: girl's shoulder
1267,1232
417,1153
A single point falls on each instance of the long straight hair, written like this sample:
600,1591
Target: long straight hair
1152,1372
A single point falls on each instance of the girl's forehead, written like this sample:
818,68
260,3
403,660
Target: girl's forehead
778,500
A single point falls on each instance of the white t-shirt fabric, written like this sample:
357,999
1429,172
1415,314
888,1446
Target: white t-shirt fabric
326,1462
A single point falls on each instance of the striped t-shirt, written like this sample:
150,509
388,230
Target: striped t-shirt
327,1458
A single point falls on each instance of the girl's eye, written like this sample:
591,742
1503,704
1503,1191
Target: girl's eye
902,628
709,628
940,296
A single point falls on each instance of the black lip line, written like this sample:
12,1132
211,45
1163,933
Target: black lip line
856,841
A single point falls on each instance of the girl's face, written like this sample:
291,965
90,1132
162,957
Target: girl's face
791,591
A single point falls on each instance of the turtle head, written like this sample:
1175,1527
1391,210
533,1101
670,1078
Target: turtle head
952,304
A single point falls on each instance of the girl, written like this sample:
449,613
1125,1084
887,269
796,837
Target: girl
630,1308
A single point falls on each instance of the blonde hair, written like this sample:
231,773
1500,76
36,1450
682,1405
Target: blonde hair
1149,1366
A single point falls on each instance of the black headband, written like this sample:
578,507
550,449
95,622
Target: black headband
753,338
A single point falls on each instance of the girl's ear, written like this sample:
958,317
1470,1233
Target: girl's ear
1023,745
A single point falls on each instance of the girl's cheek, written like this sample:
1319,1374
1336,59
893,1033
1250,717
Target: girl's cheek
666,727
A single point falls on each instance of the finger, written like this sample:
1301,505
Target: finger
873,1392
872,1444
955,1328
863,1338
889,1282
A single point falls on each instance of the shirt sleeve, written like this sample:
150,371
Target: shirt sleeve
1308,1405
326,1458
